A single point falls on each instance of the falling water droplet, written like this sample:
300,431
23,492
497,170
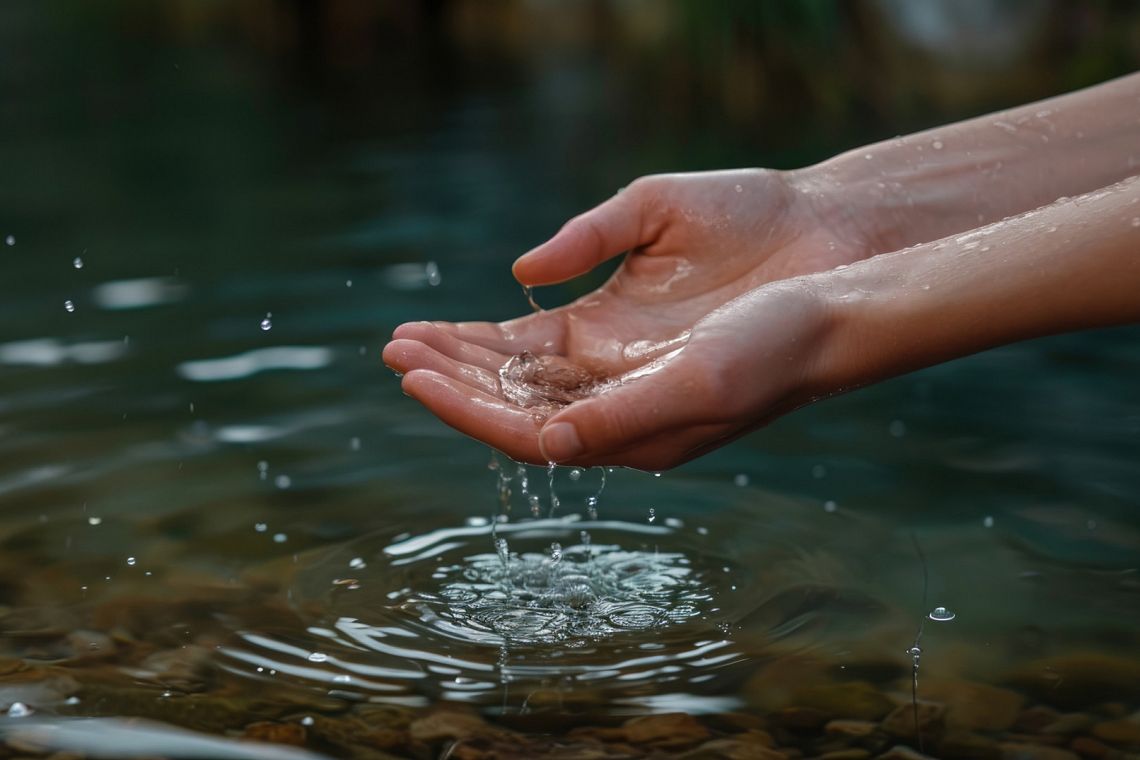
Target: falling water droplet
592,507
283,481
897,428
131,561
318,657
556,552
941,615
431,271
740,480
652,514
348,283
260,527
280,538
535,505
503,550
69,306
94,520
267,323
77,263
585,537
830,506
988,521
307,720
357,563
575,474
354,443
10,240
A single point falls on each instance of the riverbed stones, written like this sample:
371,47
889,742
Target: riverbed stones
1076,680
1013,751
854,699
900,723
974,706
1124,732
666,731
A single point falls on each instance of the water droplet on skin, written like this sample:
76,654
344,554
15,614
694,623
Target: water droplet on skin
431,271
926,287
652,514
267,323
318,657
575,474
988,521
260,527
280,538
77,263
282,481
94,520
357,563
19,709
739,189
941,615
69,306
937,145
10,240
1136,221
740,480
867,156
556,552
830,506
131,561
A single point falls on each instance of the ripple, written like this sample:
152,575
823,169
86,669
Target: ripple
251,362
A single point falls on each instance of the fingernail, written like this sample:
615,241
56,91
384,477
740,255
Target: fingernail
560,442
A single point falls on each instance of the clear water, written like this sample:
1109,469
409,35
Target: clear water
211,489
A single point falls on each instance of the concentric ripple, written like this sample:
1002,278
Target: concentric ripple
615,607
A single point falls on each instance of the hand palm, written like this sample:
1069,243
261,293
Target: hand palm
696,242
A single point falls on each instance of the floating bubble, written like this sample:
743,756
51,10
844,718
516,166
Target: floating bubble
267,323
131,561
318,657
941,615
69,306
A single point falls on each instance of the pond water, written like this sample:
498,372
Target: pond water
219,514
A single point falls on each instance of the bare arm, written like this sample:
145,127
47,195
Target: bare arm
956,177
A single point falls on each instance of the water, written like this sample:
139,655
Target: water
261,533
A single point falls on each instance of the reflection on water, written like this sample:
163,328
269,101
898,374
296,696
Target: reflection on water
218,512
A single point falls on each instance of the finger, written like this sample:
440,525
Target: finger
508,428
625,417
451,346
540,333
621,223
404,356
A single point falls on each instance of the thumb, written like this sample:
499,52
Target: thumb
615,226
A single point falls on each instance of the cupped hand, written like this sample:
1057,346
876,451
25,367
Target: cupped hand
668,337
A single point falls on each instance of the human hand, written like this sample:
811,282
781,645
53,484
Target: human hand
696,243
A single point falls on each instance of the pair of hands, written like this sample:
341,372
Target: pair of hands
701,313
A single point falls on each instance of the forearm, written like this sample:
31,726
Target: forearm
946,180
1071,265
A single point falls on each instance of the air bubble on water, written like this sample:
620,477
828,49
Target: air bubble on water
19,709
740,480
318,657
431,271
282,481
988,521
77,263
652,514
941,615
575,474
830,506
94,520
10,240
357,563
267,323
131,561
69,306
556,552
280,538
